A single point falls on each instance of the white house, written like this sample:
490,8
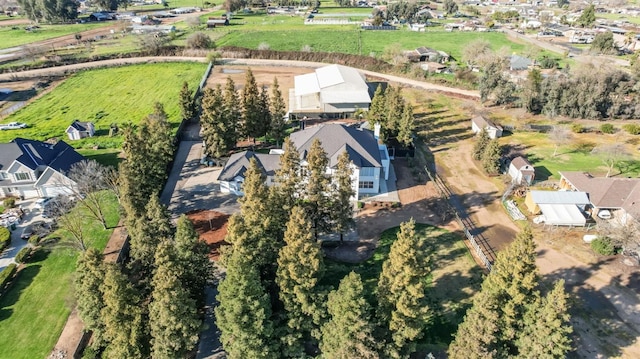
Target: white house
479,122
31,169
369,159
330,89
79,130
521,171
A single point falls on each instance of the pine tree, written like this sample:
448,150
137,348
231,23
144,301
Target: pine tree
342,192
149,231
491,157
378,109
265,112
288,179
300,266
395,105
160,146
477,335
251,107
401,291
406,126
243,314
187,109
349,332
125,330
173,315
482,140
317,187
90,275
546,332
232,114
278,111
213,123
194,259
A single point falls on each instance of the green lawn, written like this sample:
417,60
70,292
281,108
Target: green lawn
454,278
35,309
11,36
112,95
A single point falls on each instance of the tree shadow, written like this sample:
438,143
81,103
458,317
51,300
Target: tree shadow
23,279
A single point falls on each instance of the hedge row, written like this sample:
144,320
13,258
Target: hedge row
5,238
7,274
23,254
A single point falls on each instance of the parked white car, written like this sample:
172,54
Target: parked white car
604,214
12,126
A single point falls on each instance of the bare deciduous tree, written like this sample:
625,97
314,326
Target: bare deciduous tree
89,185
611,155
559,135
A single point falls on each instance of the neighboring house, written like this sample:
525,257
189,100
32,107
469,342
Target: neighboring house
559,208
479,122
431,55
329,90
369,159
519,63
149,29
79,130
521,171
217,21
231,177
619,195
31,169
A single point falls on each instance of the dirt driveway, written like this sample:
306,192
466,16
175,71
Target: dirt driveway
606,306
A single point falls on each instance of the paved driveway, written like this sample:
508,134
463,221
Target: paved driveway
30,214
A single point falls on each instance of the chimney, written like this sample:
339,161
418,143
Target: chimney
376,130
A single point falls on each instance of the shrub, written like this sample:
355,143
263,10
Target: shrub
632,128
577,128
360,205
603,245
607,128
23,254
34,240
7,274
5,238
199,40
9,202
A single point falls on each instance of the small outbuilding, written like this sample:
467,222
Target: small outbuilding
479,122
521,171
559,208
79,130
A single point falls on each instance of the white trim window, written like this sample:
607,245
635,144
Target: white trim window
365,184
22,176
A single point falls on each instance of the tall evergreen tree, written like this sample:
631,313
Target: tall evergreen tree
491,157
173,315
125,330
402,307
531,97
506,294
251,107
194,259
264,120
349,331
244,313
341,194
482,140
395,106
278,111
214,125
317,188
300,267
90,275
232,114
378,109
406,126
546,332
148,231
187,109
288,177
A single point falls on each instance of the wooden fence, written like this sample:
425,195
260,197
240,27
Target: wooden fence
465,222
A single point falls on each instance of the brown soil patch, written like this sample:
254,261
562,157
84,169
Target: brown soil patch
212,228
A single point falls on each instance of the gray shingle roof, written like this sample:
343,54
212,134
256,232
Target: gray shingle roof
80,126
238,164
34,154
607,192
361,145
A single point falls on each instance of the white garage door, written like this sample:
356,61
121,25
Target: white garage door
30,193
54,191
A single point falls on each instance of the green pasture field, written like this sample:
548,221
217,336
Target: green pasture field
453,279
35,309
117,95
11,36
632,19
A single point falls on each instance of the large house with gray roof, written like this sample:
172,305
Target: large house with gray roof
31,169
369,159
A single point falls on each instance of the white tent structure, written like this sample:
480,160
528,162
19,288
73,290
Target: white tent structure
562,215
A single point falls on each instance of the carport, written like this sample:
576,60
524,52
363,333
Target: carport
562,215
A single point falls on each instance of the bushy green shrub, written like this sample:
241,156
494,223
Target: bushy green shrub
5,238
23,254
607,128
603,245
7,274
34,240
632,128
577,128
9,202
90,353
360,205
